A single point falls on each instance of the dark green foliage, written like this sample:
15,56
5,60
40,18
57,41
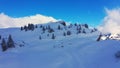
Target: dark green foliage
10,42
68,32
3,45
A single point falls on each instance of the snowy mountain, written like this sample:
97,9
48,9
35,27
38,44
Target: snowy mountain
58,45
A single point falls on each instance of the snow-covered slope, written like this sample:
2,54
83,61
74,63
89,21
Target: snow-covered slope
70,51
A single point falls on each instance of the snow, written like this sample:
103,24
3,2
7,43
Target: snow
74,51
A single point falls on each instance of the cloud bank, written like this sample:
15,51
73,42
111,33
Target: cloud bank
111,23
7,21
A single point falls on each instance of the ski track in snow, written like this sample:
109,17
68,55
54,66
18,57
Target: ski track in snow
74,51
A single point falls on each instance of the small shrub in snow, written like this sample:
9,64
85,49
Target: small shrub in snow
68,32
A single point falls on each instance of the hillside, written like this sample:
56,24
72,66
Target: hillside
72,46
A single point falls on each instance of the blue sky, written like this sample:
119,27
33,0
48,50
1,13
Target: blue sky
83,11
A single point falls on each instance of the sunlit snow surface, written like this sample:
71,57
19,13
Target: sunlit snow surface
75,51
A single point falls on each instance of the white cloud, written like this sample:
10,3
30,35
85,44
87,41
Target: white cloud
7,21
111,23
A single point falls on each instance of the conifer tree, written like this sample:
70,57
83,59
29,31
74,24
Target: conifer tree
10,42
53,36
68,32
98,39
64,34
86,26
22,28
3,45
78,31
84,31
59,27
0,37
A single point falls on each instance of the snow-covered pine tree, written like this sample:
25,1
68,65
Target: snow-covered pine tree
86,26
53,36
10,42
22,28
4,45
